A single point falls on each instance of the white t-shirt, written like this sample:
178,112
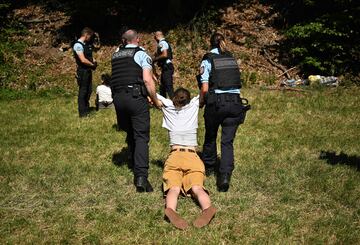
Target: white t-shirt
104,93
181,123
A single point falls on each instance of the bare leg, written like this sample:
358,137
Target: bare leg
202,197
171,203
172,198
208,211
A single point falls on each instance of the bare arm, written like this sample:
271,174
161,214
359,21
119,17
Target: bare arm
150,86
162,56
84,60
203,91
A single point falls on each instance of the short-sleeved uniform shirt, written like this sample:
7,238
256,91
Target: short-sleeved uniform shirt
78,48
164,45
205,69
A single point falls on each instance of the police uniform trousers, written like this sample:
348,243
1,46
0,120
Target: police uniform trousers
166,80
84,80
226,111
133,117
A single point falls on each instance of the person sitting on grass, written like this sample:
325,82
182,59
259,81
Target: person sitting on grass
104,98
184,172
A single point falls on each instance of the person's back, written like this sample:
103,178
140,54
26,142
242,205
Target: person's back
181,118
103,94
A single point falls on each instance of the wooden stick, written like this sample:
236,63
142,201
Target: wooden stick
267,57
287,88
285,72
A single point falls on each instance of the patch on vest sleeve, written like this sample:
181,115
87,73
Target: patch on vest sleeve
202,69
149,61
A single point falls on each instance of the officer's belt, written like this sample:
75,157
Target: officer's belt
224,97
126,88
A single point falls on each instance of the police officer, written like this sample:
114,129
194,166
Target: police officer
220,93
163,58
85,64
131,83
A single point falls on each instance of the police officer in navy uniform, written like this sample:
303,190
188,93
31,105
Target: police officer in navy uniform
132,84
220,93
164,58
85,64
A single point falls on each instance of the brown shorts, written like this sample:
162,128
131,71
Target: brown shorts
183,169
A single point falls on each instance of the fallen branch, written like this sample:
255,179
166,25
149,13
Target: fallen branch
286,72
286,88
38,21
35,21
267,57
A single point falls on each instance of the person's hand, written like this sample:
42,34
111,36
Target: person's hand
149,100
201,104
158,104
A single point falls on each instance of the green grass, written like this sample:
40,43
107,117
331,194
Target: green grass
58,182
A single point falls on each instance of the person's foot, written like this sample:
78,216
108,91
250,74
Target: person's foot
143,185
175,219
205,217
223,182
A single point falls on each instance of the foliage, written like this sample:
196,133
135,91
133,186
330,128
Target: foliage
4,9
11,51
191,41
323,36
66,181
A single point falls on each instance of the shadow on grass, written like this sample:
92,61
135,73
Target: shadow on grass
122,158
344,159
212,171
158,162
115,126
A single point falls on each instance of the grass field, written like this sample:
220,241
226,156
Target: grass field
64,180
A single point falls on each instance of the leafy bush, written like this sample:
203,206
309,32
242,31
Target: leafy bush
322,36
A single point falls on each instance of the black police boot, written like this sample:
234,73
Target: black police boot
143,185
209,170
223,182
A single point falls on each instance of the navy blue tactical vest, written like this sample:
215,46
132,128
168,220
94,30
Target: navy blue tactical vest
224,73
88,53
125,71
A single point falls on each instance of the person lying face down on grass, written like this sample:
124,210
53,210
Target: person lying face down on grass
184,172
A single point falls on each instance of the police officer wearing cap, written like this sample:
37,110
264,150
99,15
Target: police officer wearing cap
164,58
220,93
83,53
131,83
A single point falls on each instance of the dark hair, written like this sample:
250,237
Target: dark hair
106,79
217,40
181,98
87,30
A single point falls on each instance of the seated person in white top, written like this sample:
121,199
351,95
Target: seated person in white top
184,171
104,98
